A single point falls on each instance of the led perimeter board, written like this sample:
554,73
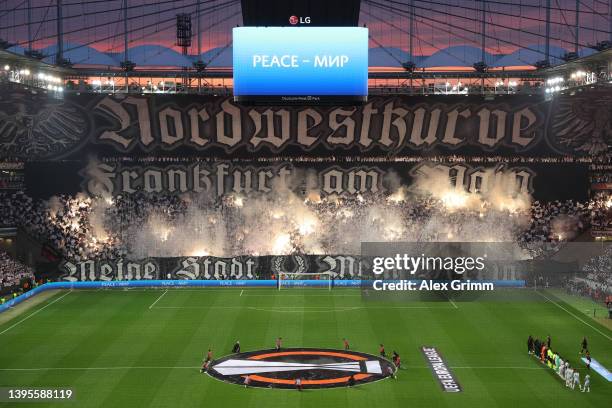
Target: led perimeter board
321,13
300,65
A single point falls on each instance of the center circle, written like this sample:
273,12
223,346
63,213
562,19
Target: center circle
307,368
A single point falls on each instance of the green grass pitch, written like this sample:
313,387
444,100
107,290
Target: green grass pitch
143,348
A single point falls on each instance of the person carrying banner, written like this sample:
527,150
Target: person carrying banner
351,380
206,361
391,372
396,359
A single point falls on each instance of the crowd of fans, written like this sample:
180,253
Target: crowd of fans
603,177
13,272
84,228
596,278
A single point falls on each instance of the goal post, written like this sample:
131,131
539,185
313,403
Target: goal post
287,280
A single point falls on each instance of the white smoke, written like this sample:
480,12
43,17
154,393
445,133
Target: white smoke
434,208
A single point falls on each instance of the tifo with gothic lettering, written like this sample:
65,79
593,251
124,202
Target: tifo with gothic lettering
306,203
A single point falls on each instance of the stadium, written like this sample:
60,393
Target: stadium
305,203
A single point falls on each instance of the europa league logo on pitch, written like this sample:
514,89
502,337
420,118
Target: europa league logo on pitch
294,20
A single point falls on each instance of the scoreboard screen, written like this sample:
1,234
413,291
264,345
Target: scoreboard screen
300,65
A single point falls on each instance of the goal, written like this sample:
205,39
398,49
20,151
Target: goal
287,280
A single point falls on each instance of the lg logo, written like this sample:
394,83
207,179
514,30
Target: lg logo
294,20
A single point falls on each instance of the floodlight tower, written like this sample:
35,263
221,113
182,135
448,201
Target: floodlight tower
59,56
183,36
183,31
29,6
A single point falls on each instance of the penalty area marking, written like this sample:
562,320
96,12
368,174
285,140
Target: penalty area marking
36,312
573,315
158,299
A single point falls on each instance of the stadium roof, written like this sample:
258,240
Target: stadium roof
78,55
530,55
456,56
161,56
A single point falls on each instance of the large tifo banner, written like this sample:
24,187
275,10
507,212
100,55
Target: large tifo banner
543,181
208,267
341,267
37,127
180,143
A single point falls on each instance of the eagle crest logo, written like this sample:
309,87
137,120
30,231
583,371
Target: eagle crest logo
582,124
34,126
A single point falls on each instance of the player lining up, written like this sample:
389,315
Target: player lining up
561,366
576,380
572,378
587,384
569,374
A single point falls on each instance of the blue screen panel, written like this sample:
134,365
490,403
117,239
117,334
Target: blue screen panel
300,61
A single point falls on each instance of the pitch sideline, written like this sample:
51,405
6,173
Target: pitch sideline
36,312
573,315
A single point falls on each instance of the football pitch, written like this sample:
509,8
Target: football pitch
144,347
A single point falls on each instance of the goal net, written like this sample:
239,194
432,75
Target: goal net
324,280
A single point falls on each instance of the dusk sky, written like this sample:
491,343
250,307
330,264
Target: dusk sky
439,23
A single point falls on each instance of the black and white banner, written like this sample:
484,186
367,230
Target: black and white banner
38,127
118,144
209,268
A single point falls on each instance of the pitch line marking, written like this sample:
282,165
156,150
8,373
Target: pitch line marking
36,312
453,303
99,368
305,309
241,292
198,367
303,295
573,315
284,309
158,299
